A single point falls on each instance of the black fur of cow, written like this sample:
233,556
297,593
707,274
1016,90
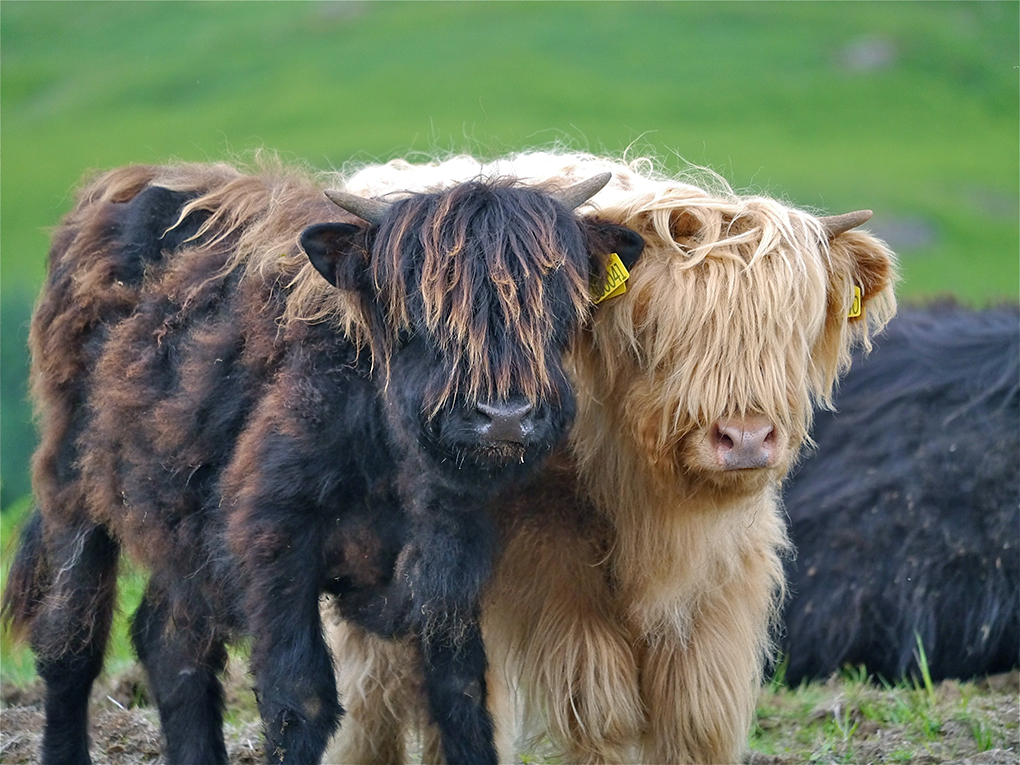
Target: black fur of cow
252,464
907,517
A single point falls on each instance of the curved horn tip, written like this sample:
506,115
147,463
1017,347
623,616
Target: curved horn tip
601,180
579,193
837,224
371,210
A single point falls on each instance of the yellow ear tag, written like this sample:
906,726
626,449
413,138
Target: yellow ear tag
616,279
855,307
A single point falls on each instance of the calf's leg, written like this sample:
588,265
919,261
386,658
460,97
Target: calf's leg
455,686
445,572
380,686
69,635
183,662
293,669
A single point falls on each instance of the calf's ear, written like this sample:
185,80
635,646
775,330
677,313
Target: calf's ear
606,238
613,250
336,250
870,266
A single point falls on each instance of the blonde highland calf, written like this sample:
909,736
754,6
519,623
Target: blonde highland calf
640,576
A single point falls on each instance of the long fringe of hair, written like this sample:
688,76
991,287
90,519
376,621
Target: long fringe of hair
735,297
440,257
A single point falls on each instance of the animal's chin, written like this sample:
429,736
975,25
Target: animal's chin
742,480
700,475
498,454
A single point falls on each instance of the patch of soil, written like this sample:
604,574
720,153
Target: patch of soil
123,726
125,729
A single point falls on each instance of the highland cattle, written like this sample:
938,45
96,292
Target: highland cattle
906,518
261,395
640,577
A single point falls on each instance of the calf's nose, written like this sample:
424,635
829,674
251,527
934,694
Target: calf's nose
742,443
505,421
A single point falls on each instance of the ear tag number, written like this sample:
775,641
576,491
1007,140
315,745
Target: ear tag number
616,279
855,307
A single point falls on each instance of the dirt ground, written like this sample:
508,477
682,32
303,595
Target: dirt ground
124,724
125,729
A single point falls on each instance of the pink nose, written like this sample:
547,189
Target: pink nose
742,443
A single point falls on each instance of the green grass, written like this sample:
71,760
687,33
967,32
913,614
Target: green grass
755,90
15,661
855,718
765,93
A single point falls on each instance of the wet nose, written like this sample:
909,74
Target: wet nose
741,443
505,421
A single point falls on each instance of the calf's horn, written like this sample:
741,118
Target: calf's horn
579,193
371,210
837,224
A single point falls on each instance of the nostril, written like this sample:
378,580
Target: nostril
724,440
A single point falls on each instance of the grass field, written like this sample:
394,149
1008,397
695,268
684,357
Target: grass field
906,108
910,109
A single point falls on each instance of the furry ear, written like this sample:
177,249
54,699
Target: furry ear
869,264
686,227
606,238
334,250
855,258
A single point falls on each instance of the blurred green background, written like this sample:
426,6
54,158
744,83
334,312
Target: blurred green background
910,109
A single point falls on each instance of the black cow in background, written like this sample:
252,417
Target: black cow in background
261,397
907,518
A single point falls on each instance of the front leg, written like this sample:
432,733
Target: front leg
381,689
454,666
700,687
700,693
295,685
445,570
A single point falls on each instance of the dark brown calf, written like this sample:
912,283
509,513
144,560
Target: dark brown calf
256,429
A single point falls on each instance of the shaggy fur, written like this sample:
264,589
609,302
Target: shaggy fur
207,403
639,580
906,517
